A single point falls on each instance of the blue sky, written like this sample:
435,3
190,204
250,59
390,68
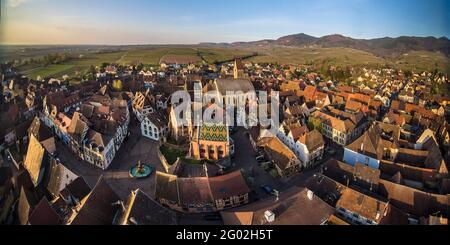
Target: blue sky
181,21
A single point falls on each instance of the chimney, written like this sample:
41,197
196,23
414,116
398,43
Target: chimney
310,195
270,216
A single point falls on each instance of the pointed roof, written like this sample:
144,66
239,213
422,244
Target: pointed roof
277,151
77,126
293,207
229,185
366,206
214,132
39,131
194,191
34,160
313,140
44,214
166,186
143,210
238,64
98,207
369,143
78,189
309,92
27,201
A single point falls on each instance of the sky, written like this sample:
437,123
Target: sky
119,22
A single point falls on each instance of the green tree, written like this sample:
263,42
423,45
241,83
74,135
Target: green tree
117,85
314,123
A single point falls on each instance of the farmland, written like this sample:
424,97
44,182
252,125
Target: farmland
213,55
85,56
415,60
72,66
423,60
331,56
133,55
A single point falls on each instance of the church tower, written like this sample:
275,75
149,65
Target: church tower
238,69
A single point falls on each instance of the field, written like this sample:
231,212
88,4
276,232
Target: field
71,67
423,60
331,56
416,60
151,55
213,55
134,55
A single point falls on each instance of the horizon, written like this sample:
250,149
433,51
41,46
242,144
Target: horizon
203,43
128,23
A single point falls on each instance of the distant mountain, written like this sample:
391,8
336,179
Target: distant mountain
385,47
296,40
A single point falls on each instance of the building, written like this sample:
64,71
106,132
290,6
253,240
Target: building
45,170
229,190
100,207
154,126
359,175
180,131
96,129
142,104
293,207
310,148
211,142
369,149
57,102
140,209
307,146
359,209
284,160
224,85
335,129
238,69
201,194
417,165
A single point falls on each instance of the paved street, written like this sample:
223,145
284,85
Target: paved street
135,148
245,159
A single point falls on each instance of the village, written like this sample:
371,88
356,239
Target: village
354,146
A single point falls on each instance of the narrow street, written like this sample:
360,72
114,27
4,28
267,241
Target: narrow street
245,159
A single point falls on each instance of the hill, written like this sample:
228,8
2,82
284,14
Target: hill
384,47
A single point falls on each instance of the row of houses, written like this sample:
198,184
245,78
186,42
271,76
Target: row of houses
94,130
419,165
201,193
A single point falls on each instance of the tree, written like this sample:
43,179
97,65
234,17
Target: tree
104,65
314,123
117,85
